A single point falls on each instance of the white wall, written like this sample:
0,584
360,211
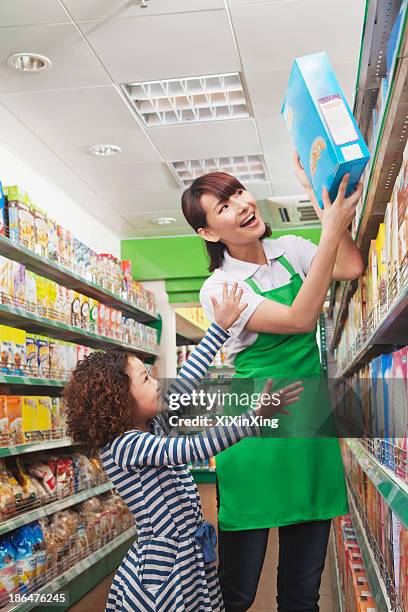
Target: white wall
57,204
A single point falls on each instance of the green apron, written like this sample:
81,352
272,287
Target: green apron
271,482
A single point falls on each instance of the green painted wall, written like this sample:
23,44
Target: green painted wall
181,261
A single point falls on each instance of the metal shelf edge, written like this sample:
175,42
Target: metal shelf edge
8,451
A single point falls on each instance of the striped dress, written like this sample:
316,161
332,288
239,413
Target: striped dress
164,570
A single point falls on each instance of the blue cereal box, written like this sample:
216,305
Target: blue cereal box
322,126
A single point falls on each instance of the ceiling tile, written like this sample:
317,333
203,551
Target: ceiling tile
274,135
111,9
164,46
27,12
86,109
73,63
280,166
138,201
204,140
74,147
117,178
285,30
162,230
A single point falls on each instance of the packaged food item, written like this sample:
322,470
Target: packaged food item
18,338
401,188
63,304
101,319
322,126
19,284
30,418
41,232
40,550
21,218
31,291
2,212
93,315
7,347
44,420
4,423
53,305
14,411
7,500
29,490
31,354
382,261
75,308
53,243
6,281
84,312
43,356
8,568
45,475
24,542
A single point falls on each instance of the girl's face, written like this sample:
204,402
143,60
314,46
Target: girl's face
236,221
144,389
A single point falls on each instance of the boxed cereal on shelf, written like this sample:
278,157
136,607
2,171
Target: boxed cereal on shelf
43,356
4,422
93,315
6,281
30,417
6,344
18,338
75,308
14,411
21,217
401,189
399,398
44,410
3,217
41,232
31,291
322,126
19,284
31,354
382,263
53,240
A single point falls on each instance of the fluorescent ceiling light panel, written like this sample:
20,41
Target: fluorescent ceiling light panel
189,100
245,168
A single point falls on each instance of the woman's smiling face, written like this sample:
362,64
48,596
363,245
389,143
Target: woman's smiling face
236,221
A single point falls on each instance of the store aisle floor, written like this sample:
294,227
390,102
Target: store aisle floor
265,601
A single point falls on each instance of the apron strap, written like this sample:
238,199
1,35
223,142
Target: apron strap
285,264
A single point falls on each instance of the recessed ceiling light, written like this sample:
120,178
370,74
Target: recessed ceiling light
105,149
212,97
245,168
163,220
29,62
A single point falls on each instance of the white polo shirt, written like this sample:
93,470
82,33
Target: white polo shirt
298,251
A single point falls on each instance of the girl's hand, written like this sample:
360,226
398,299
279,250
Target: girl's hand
300,172
338,216
275,403
229,311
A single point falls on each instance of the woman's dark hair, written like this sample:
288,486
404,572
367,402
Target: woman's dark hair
222,186
98,402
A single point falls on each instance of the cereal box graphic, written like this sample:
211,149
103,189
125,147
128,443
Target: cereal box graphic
322,126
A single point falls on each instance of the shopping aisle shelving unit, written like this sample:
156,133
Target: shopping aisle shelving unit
338,595
85,575
68,278
35,447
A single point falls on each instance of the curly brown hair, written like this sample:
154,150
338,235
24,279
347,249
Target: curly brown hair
98,402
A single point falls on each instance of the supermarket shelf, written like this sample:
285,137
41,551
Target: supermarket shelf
67,278
86,574
8,451
385,166
387,325
188,330
339,604
393,489
12,379
377,585
16,317
48,509
204,476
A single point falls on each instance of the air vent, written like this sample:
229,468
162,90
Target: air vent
307,214
213,97
288,212
284,215
245,168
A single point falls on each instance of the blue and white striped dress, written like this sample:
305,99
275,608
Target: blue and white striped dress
164,570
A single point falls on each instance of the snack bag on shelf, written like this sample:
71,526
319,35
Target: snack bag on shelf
6,281
31,292
44,421
41,232
4,423
14,411
23,540
8,568
45,476
43,356
30,418
40,550
29,494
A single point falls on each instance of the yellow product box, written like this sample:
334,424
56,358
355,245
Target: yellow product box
42,295
382,262
41,231
52,300
44,411
55,414
6,281
30,417
6,349
93,315
43,356
4,422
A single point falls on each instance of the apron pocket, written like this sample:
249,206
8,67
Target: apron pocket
157,559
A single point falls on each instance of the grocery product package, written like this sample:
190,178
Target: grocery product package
322,126
2,211
24,542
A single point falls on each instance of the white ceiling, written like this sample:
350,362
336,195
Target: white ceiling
51,119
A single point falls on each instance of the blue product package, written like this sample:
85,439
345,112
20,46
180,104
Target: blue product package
40,550
24,542
322,126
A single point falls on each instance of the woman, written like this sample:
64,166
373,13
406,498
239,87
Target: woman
285,283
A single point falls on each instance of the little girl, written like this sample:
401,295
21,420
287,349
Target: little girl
113,405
